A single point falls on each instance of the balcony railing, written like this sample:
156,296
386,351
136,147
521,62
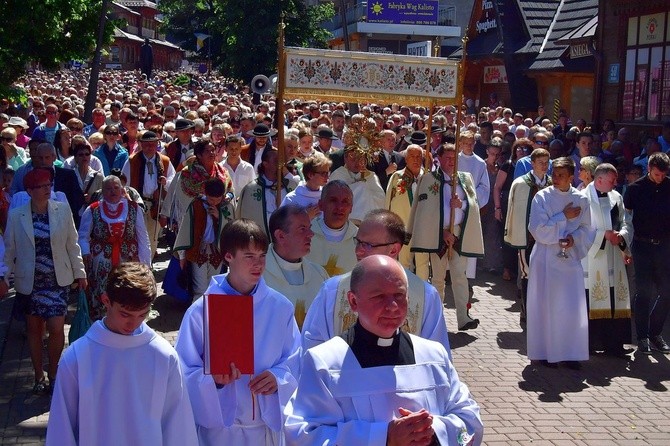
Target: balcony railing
150,33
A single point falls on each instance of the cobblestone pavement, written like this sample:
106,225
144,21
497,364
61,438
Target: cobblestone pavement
610,401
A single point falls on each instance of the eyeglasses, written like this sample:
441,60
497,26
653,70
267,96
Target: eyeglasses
368,246
112,133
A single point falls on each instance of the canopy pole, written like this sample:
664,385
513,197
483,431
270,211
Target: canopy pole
279,110
459,94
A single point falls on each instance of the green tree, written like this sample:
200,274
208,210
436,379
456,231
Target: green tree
48,32
244,33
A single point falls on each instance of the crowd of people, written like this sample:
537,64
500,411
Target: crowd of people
346,248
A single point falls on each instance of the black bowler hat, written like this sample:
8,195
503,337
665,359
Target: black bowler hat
326,133
183,124
435,128
417,137
263,130
148,136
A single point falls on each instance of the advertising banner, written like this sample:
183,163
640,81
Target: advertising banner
395,12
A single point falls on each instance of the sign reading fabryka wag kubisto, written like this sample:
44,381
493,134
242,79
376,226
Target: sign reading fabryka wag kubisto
408,12
368,77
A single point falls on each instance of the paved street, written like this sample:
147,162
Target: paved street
611,401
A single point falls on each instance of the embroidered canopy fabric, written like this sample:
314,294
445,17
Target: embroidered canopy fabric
369,77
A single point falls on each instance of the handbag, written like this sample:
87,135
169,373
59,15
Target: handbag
81,321
177,282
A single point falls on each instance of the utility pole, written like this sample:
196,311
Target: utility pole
345,25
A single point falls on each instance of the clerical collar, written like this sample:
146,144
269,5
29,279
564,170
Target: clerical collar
285,264
369,353
387,342
372,339
601,194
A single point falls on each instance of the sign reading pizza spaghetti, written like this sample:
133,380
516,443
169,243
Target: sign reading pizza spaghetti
368,77
408,12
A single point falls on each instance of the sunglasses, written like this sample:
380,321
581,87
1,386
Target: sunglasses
7,138
112,133
82,155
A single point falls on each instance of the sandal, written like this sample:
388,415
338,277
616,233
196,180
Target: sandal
40,386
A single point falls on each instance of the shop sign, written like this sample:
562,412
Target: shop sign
579,50
488,19
415,12
651,28
419,49
379,49
613,74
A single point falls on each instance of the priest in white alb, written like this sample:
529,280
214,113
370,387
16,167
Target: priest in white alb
606,281
286,269
381,232
364,184
375,384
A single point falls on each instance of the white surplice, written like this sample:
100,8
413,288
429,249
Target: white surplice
320,320
366,189
300,292
227,416
114,389
557,324
338,402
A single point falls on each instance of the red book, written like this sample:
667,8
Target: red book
229,333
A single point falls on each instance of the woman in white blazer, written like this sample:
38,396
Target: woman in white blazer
41,249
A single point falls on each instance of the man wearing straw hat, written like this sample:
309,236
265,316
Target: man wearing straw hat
433,235
181,148
150,173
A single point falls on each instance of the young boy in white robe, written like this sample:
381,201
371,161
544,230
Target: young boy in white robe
121,383
238,409
557,324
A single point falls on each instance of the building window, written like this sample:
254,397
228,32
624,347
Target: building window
447,16
114,54
647,75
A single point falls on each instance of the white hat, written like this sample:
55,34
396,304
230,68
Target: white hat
15,121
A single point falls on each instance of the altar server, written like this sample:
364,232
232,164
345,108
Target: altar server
121,383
